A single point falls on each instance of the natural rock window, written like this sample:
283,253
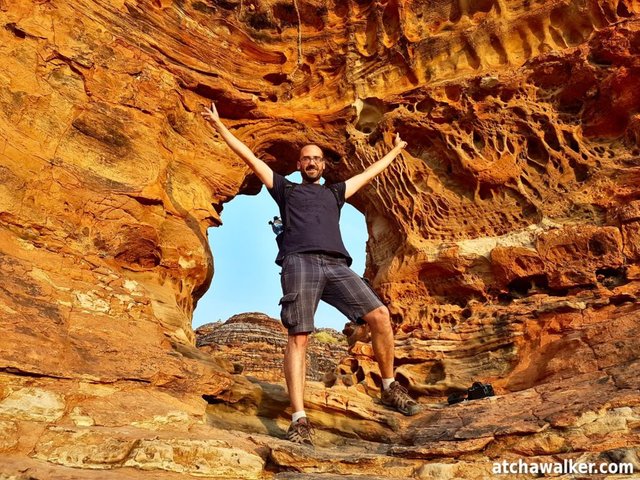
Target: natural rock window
245,278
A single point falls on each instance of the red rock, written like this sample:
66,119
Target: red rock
572,255
522,130
254,344
511,263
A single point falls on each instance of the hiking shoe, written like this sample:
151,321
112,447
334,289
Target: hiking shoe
396,396
301,432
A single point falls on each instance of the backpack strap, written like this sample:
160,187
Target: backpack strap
334,190
288,190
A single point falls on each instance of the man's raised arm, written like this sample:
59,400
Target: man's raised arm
356,182
260,168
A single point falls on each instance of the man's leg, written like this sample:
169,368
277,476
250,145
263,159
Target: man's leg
295,369
302,284
379,323
352,296
393,394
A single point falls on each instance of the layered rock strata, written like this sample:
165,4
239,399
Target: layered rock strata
504,239
254,344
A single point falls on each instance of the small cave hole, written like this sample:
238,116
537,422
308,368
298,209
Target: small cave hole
360,375
483,6
536,150
596,247
436,374
522,287
425,106
571,141
372,112
551,138
486,192
621,299
276,78
505,298
13,28
261,21
453,92
622,10
212,399
506,95
402,380
580,170
286,14
611,277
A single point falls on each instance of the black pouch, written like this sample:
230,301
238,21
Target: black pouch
456,397
479,390
286,314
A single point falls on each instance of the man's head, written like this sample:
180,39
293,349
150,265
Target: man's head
311,163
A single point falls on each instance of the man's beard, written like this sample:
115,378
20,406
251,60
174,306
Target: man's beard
311,177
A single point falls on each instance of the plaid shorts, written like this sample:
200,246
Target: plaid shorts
308,278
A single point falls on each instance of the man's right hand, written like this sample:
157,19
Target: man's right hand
398,142
211,114
260,168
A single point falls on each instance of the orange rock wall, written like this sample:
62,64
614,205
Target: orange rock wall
505,239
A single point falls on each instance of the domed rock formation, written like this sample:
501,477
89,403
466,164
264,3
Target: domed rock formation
254,343
504,239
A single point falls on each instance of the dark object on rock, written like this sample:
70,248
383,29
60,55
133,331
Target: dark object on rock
476,391
456,397
480,390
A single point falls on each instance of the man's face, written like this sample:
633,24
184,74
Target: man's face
311,163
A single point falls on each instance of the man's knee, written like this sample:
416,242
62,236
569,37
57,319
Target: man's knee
378,319
298,341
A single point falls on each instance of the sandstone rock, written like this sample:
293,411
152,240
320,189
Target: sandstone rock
34,404
344,461
254,344
202,457
631,238
153,409
108,449
504,238
629,212
31,469
516,263
8,435
82,449
325,476
573,255
447,449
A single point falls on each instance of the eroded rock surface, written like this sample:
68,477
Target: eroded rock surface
254,343
504,239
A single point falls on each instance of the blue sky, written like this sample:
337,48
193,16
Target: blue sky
246,278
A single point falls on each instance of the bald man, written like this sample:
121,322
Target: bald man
315,266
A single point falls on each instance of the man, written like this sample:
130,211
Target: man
315,266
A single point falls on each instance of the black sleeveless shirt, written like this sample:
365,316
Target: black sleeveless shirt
311,213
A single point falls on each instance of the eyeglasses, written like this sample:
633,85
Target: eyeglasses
312,159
